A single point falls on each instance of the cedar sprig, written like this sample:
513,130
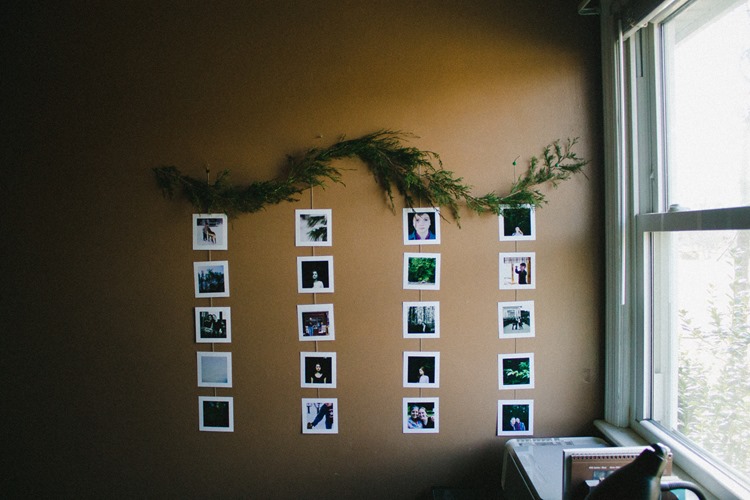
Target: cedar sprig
417,175
558,163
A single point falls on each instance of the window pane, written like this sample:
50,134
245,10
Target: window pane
702,341
707,104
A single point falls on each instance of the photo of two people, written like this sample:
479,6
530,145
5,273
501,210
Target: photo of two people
515,417
421,415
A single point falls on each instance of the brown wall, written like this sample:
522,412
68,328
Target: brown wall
98,342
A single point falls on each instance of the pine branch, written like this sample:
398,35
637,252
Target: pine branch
416,175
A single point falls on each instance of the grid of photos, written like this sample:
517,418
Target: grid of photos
421,320
315,322
213,325
515,319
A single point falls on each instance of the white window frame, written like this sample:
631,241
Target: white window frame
634,206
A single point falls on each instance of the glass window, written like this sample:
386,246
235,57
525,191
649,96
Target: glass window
701,369
687,145
706,51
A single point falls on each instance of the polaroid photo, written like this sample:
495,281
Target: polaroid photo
517,223
421,271
211,279
515,417
315,322
317,369
216,414
516,319
515,371
421,415
214,369
209,232
421,320
421,369
320,416
313,228
517,271
421,226
213,325
315,274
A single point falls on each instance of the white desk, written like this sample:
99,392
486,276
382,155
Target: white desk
533,468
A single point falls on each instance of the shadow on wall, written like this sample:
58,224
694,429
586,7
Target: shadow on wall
476,477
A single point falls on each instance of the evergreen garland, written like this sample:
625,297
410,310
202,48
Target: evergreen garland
414,174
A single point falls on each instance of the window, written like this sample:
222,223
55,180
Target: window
681,333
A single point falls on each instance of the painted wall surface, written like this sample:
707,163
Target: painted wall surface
98,351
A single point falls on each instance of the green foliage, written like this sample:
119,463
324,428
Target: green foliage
519,374
558,163
418,176
713,388
421,270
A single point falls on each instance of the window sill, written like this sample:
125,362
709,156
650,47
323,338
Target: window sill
687,465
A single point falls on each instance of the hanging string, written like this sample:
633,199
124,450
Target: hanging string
419,247
210,258
515,292
314,295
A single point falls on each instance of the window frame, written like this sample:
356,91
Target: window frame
635,207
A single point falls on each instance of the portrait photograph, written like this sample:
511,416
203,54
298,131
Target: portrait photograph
421,369
516,319
421,271
517,223
320,416
209,232
516,371
213,325
421,320
216,414
515,417
315,274
317,369
211,279
517,271
313,228
315,322
421,226
214,369
421,415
